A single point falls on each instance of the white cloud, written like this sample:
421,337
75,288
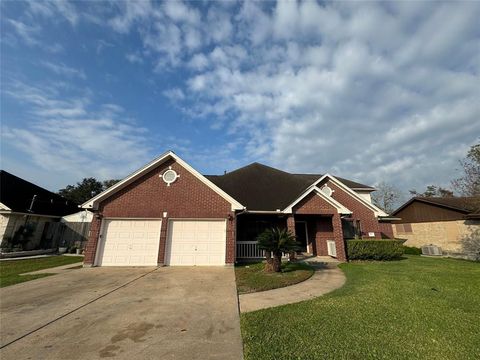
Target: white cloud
62,69
358,90
134,58
72,139
51,9
24,31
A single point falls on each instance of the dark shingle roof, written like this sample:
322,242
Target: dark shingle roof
261,187
17,194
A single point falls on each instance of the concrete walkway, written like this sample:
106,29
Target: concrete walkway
327,277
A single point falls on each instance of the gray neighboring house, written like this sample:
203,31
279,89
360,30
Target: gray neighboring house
27,207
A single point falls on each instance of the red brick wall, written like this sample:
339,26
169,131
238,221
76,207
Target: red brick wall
313,204
387,230
330,228
150,197
368,221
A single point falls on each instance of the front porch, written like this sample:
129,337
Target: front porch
318,235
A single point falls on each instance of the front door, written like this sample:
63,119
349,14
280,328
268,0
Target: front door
302,236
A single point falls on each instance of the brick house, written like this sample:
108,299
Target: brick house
440,221
168,213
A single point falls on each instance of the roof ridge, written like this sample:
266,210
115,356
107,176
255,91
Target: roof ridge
256,163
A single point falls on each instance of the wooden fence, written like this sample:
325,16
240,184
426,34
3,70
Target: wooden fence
66,234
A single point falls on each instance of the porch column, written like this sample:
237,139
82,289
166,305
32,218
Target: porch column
291,228
231,239
338,237
291,224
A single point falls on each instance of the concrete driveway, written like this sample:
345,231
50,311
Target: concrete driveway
123,313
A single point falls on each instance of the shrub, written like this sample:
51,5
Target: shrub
412,250
375,249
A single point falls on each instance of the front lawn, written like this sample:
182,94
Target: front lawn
252,278
418,308
10,270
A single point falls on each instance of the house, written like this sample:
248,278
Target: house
168,213
441,221
27,210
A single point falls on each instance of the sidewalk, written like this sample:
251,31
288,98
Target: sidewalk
327,277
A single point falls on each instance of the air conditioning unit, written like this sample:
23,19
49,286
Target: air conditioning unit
431,250
332,249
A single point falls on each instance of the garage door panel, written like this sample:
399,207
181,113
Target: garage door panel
196,242
130,242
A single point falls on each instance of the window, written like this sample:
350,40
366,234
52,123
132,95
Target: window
404,228
170,176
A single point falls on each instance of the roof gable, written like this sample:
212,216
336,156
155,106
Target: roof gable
93,203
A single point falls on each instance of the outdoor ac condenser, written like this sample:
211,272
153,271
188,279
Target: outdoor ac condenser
431,250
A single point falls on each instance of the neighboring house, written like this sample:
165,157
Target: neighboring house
438,221
26,205
74,232
168,213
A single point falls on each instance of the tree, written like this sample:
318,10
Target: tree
433,191
386,197
469,183
276,241
85,190
471,244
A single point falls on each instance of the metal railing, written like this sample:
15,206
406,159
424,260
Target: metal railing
250,250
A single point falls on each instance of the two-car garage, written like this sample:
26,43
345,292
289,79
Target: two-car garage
136,242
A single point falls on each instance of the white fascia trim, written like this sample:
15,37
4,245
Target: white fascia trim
340,208
4,207
3,212
93,202
377,211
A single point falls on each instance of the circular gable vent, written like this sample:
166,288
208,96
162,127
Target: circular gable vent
170,176
326,190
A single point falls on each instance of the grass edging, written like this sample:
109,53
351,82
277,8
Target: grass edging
251,278
11,270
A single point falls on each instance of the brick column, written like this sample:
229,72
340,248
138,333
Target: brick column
231,243
291,224
93,236
338,237
163,242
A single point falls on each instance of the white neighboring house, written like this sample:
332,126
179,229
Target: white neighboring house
24,205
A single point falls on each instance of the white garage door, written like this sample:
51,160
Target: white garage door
130,243
196,242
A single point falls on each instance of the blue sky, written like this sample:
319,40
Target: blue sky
367,90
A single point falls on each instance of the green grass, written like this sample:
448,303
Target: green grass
252,278
10,270
418,308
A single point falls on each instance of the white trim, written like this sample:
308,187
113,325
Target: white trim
378,212
340,208
29,214
93,202
4,207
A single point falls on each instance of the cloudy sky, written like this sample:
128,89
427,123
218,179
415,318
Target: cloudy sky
366,90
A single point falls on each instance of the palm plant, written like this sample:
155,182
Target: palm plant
276,241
